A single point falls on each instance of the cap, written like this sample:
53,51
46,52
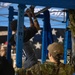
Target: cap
56,48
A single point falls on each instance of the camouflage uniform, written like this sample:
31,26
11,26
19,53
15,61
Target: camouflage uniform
47,69
50,69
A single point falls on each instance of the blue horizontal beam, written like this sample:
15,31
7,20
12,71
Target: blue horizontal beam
49,3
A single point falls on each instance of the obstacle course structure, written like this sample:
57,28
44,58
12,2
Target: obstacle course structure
68,4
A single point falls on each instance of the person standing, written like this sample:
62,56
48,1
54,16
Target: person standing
6,67
53,66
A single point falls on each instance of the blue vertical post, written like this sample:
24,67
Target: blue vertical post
47,36
8,56
66,39
19,40
49,30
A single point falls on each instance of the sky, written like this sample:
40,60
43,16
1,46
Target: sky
56,17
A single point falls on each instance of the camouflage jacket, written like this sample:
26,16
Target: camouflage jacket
48,69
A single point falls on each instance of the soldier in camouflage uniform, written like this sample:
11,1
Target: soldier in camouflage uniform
54,67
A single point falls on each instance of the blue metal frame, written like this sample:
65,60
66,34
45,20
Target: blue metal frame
19,40
73,73
48,3
47,36
11,10
67,41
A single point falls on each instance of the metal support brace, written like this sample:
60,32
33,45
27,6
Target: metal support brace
11,10
19,40
66,40
47,36
41,11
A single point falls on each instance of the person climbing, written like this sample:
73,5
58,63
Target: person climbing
28,34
